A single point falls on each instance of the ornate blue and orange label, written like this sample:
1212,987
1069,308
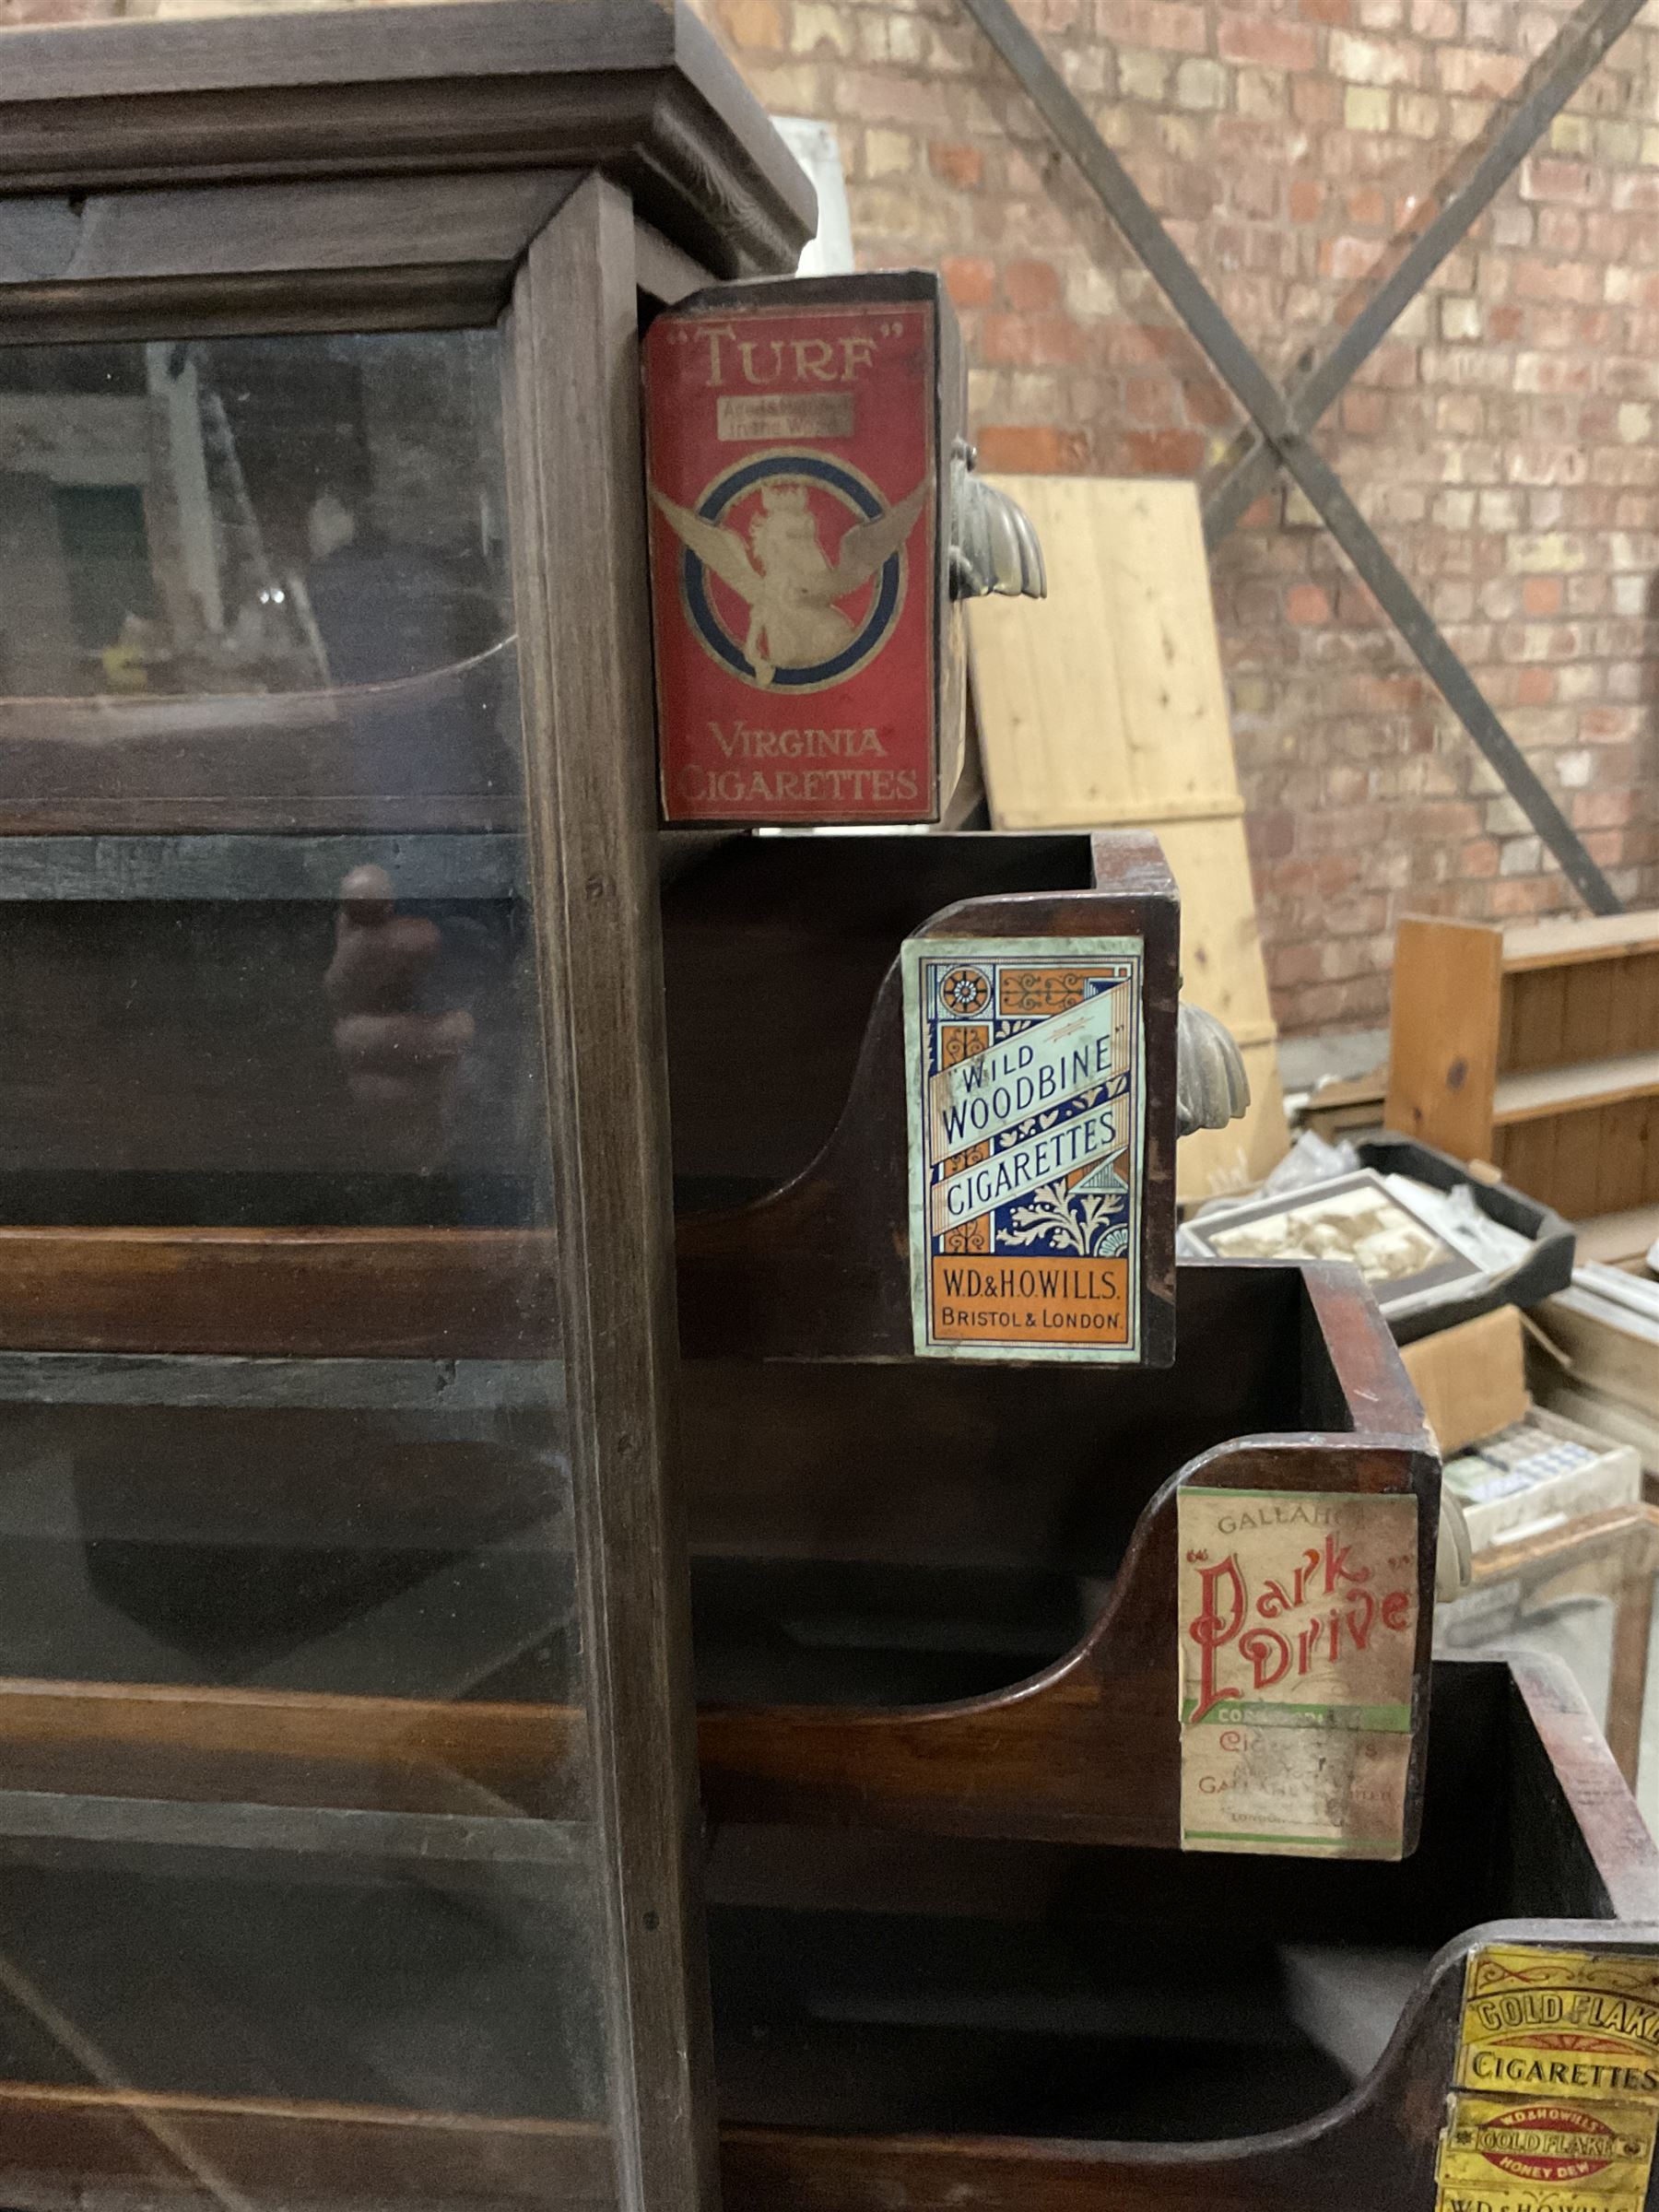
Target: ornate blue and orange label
1555,2098
1026,1113
791,457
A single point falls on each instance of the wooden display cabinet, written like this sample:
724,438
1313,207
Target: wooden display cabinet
349,1818
337,1287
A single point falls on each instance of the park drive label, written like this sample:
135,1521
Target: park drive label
1027,1110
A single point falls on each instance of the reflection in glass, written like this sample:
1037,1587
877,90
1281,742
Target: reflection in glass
255,583
294,1798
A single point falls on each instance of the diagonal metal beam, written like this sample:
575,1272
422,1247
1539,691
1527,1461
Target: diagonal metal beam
1465,193
1262,399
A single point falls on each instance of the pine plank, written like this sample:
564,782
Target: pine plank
1106,705
1443,1047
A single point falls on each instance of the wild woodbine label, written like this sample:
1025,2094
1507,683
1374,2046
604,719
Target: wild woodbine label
1026,1109
1299,1618
1555,2101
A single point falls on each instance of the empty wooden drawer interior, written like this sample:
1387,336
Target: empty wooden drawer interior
949,1592
902,2022
775,950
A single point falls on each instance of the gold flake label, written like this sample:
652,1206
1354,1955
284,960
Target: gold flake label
1299,1631
1555,2101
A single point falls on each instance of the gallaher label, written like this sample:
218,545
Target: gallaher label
1299,1629
790,453
1026,1114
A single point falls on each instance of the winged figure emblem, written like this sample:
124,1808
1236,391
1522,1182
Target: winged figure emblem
790,584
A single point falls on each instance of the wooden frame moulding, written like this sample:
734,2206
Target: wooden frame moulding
571,367
636,88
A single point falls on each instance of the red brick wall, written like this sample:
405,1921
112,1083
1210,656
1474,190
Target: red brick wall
1504,441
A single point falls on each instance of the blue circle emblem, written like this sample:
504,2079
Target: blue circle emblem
885,600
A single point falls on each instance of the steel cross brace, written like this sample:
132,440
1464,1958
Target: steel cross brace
1279,420
1464,195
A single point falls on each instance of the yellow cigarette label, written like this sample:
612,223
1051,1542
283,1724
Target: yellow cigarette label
1555,2101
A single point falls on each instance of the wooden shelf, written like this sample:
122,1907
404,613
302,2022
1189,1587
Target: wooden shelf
475,1389
1537,1050
1587,1082
125,2142
423,1838
263,866
1564,944
250,1770
314,1294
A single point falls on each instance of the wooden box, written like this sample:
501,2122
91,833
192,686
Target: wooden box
1536,1049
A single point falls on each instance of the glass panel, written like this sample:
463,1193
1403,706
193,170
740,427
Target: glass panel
253,585
294,1709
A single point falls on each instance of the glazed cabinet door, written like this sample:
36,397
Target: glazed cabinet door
345,1801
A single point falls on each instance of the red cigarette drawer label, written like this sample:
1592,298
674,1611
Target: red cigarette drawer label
792,563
